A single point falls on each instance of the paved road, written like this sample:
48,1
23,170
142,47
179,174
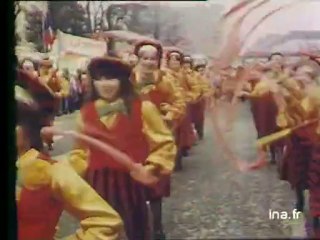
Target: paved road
212,199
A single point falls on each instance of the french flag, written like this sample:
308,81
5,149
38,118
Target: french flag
48,34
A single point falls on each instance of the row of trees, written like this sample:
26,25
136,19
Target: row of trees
86,17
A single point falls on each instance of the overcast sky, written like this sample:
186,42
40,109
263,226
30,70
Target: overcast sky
302,16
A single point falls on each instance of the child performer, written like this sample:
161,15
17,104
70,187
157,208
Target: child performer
46,188
198,108
185,136
155,85
115,115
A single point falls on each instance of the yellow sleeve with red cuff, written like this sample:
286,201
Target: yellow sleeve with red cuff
161,141
98,221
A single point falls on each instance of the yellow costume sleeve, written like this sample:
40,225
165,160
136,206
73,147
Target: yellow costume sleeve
32,171
292,114
293,87
176,109
260,89
284,120
98,221
206,89
44,82
195,87
162,146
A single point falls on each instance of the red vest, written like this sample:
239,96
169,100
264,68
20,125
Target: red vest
157,96
38,213
126,136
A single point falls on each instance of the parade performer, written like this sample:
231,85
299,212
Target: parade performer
132,59
264,110
29,66
43,95
184,134
155,85
174,71
299,108
46,187
300,165
198,108
195,108
116,115
314,167
48,78
64,81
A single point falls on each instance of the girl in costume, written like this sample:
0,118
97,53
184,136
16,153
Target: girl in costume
300,163
155,85
185,136
198,108
48,78
115,115
45,187
43,95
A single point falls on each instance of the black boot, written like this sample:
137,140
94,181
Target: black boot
185,152
300,200
272,155
156,208
159,236
178,162
316,228
199,129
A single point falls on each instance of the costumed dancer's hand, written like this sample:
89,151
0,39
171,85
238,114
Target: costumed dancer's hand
242,166
58,95
143,175
167,118
243,94
261,162
49,132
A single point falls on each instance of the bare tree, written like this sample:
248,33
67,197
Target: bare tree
88,15
95,12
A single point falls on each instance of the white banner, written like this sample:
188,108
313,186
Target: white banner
72,62
80,45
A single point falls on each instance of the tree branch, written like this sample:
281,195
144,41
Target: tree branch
89,16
